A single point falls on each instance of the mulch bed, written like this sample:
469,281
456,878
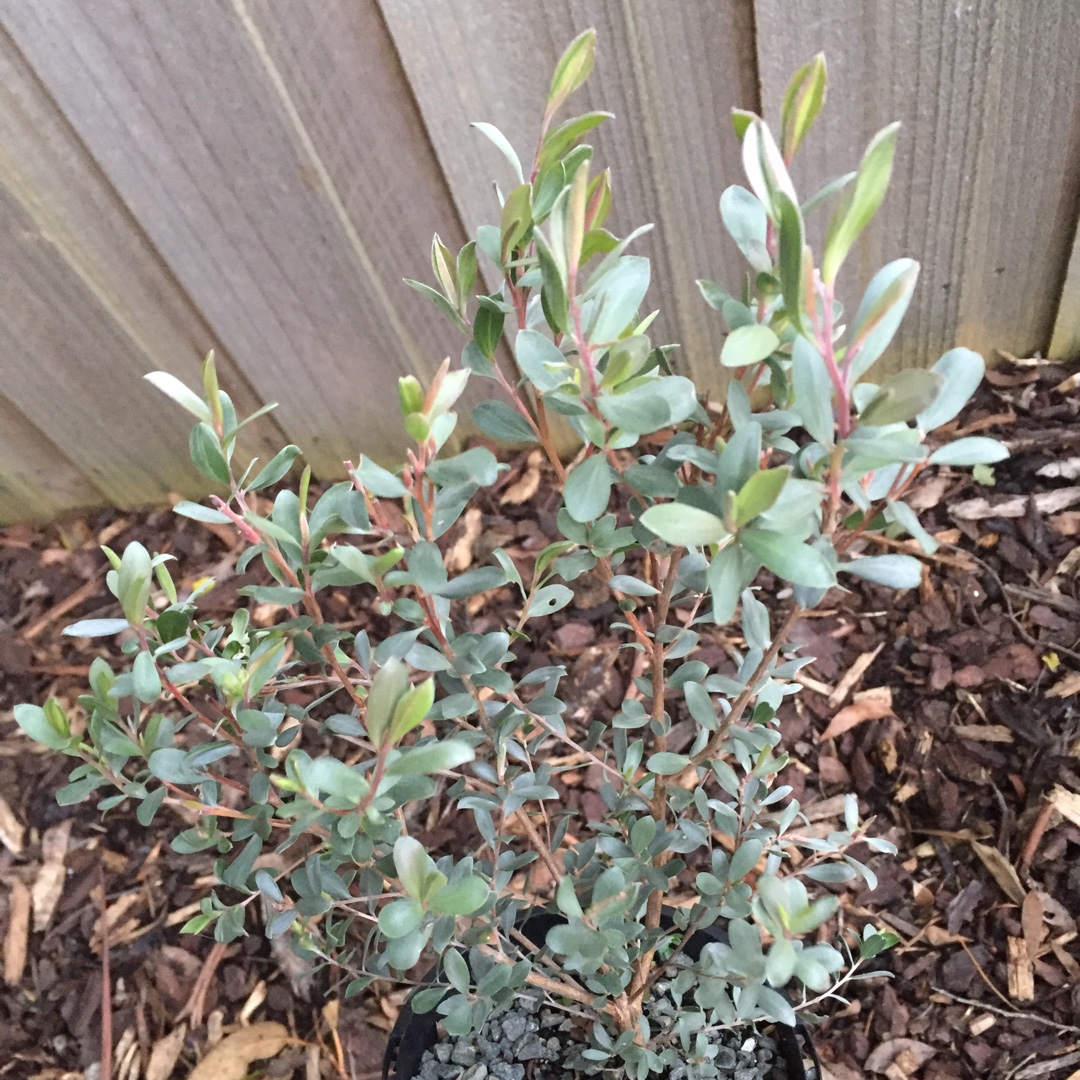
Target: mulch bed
951,711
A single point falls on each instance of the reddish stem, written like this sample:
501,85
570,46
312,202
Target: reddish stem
823,328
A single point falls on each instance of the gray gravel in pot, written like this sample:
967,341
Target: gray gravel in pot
529,1040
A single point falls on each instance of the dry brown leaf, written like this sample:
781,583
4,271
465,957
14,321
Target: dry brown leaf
312,1063
853,675
331,1012
460,555
874,693
113,530
903,1052
871,704
1057,915
1001,870
526,485
1004,380
1066,960
1063,387
1065,524
816,685
119,932
49,883
126,1056
263,615
929,492
1033,922
165,1054
830,809
890,760
1066,687
938,936
390,1005
18,932
215,1024
181,915
1066,803
1069,565
837,1071
254,1001
114,861
11,829
965,836
232,1057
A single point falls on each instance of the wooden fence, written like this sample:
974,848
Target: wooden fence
257,176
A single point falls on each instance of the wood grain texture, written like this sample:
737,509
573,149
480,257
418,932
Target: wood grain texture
1065,342
669,72
257,176
79,381
987,172
336,70
199,125
37,482
89,251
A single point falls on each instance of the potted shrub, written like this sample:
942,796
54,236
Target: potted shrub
656,939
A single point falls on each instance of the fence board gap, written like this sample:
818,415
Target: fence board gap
987,163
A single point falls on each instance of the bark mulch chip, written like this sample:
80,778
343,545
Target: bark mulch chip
953,711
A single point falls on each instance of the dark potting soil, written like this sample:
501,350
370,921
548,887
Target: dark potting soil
529,1040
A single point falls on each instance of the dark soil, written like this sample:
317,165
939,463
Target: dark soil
960,732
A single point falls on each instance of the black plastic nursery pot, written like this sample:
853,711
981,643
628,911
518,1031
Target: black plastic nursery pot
415,1033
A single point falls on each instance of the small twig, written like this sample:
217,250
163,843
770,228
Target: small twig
339,1051
1012,1014
81,594
655,902
542,982
531,947
106,982
1032,641
1044,596
541,721
197,999
540,847
806,1003
744,699
659,969
982,974
1027,856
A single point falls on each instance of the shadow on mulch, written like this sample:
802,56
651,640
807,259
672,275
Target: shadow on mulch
951,711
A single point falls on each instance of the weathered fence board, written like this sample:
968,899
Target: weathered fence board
1065,341
257,176
369,153
192,119
72,219
54,369
37,483
669,72
987,170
